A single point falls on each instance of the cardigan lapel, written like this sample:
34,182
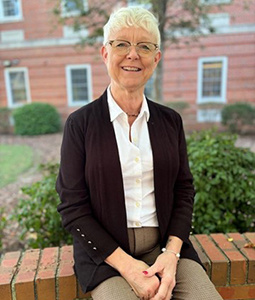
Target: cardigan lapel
113,180
159,144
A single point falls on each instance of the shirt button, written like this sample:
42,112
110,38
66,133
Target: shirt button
137,224
137,159
138,181
89,242
137,204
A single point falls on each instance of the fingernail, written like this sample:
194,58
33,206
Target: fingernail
145,272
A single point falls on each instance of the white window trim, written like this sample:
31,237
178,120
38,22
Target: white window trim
216,2
69,84
144,5
8,86
67,14
4,19
219,99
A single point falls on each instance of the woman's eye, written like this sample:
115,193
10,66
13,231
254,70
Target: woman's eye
144,47
122,45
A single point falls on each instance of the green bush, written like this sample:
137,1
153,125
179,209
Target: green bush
5,115
36,118
224,180
37,215
239,117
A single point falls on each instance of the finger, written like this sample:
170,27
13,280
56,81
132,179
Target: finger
165,288
169,294
151,271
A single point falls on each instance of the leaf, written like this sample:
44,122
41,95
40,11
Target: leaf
249,245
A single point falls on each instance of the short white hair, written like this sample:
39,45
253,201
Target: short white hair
132,16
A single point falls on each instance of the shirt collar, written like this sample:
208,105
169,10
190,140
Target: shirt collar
115,110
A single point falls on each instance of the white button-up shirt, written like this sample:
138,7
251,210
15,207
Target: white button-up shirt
136,164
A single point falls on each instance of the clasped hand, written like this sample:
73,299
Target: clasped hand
146,284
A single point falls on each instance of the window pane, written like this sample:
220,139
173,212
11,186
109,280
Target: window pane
10,8
73,5
212,78
18,87
79,85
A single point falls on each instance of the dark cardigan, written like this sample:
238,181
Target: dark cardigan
90,187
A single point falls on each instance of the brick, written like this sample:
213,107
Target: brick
45,278
66,277
250,236
238,268
237,292
249,253
82,295
204,259
7,271
24,281
219,263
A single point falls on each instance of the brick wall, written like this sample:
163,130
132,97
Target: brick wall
48,274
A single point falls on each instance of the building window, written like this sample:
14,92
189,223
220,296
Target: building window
17,86
73,7
144,4
79,87
215,2
10,10
212,79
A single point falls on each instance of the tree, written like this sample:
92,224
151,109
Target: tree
179,22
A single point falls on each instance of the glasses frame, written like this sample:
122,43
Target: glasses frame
135,45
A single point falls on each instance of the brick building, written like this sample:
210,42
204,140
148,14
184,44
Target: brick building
40,63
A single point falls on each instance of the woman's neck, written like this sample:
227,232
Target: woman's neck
129,102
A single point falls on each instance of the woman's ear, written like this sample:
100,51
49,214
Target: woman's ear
157,57
104,53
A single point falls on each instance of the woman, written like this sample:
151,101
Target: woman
124,181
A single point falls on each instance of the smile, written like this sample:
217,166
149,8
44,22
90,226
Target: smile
131,69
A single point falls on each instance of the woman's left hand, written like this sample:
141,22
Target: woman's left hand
165,267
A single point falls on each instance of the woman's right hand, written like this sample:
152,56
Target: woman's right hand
144,287
132,270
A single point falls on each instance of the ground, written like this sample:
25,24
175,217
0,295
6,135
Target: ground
47,149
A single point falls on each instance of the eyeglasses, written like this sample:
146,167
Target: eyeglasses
144,49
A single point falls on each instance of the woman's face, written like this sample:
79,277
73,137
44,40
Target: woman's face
130,71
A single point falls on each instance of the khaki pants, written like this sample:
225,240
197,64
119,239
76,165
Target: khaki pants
192,283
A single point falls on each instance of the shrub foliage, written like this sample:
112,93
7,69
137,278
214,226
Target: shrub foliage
36,119
224,180
37,214
239,117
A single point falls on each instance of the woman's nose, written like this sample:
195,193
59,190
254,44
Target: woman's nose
133,54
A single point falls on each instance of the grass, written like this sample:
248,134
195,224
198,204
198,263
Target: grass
14,160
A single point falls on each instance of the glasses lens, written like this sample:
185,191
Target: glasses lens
121,47
145,49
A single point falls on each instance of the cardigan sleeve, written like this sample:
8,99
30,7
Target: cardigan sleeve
75,207
183,192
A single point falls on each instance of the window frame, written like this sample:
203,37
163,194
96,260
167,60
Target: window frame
135,3
67,14
216,2
215,99
71,103
4,19
10,99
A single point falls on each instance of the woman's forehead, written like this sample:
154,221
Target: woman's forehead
132,33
